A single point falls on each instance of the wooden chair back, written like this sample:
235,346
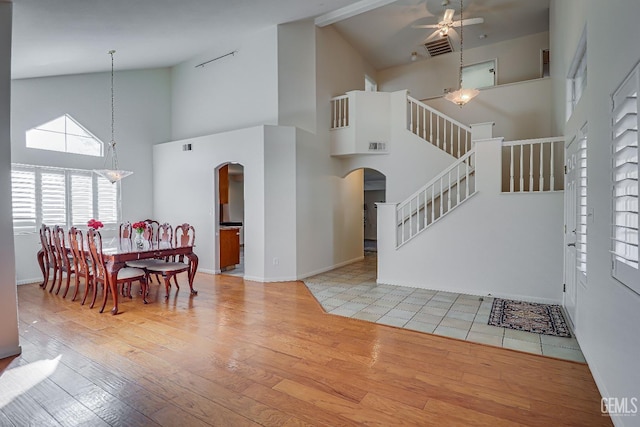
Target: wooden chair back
61,252
185,235
46,240
94,239
76,241
125,230
165,233
155,226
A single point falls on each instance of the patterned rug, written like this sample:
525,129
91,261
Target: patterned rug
530,317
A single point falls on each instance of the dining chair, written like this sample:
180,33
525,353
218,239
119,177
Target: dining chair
185,235
46,255
81,262
164,234
155,225
125,230
63,258
125,274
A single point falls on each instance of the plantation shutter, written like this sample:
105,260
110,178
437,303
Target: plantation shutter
54,198
581,233
81,198
23,190
107,201
625,182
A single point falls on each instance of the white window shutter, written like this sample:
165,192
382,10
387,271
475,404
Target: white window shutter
23,189
107,201
54,197
625,181
81,198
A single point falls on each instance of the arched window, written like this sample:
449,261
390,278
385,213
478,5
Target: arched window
65,135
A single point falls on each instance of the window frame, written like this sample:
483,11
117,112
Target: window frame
493,70
577,73
68,173
625,124
66,135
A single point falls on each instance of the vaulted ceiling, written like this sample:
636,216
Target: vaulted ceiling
54,37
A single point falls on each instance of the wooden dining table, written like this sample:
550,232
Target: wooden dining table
117,251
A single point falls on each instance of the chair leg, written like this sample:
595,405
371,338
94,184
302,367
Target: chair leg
75,292
42,267
167,284
106,296
145,289
66,289
55,277
95,293
87,284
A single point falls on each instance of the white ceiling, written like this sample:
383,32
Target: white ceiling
386,38
54,37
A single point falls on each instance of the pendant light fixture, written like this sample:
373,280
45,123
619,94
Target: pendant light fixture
114,174
461,96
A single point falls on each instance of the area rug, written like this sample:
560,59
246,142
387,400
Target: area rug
530,317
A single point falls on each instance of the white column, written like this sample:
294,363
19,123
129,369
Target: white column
489,165
9,341
387,239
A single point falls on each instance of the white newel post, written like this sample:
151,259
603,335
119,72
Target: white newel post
482,131
387,235
9,340
489,165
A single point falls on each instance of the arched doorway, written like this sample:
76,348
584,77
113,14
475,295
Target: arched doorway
230,219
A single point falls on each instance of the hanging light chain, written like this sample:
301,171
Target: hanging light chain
112,144
461,44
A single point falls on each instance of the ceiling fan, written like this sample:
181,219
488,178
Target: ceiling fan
443,27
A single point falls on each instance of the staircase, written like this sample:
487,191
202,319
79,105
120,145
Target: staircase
505,241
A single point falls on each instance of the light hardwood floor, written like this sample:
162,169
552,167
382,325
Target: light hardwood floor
245,353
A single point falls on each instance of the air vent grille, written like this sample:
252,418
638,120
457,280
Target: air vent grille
377,146
439,46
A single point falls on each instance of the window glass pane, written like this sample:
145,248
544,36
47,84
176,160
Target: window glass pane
45,140
478,75
82,145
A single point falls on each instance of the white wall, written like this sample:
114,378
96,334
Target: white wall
608,313
142,108
517,60
519,110
506,245
410,161
297,75
9,341
329,207
269,179
234,92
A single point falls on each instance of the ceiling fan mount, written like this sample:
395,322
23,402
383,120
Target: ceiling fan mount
447,23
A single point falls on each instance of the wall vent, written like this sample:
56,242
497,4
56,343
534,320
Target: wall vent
186,147
439,46
377,146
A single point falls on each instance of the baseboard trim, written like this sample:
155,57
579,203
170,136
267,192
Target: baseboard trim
30,281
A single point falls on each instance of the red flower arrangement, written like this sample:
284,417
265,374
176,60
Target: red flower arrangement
92,223
139,226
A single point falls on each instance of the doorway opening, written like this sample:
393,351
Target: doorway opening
231,219
375,184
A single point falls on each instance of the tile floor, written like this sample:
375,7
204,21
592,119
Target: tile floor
351,291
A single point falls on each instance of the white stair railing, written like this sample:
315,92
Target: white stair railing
440,130
532,165
437,198
340,112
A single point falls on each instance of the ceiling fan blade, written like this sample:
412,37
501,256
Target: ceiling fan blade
448,15
425,26
470,21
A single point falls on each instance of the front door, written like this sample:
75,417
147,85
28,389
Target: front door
570,230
